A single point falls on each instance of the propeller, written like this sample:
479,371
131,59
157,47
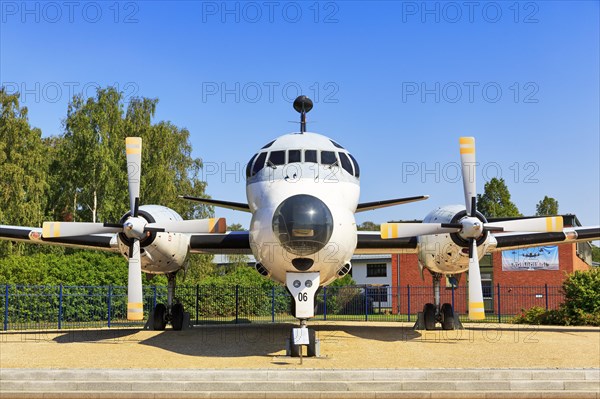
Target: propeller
470,227
135,228
135,300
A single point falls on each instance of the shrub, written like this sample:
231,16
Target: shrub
582,296
538,315
580,308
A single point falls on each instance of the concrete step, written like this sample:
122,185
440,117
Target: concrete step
434,383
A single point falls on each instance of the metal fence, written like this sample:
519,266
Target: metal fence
60,307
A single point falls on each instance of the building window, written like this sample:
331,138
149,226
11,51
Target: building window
378,294
486,285
377,270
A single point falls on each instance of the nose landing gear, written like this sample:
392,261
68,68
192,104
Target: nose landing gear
303,287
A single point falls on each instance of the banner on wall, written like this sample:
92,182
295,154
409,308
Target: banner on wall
536,258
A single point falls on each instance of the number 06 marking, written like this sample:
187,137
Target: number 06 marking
302,297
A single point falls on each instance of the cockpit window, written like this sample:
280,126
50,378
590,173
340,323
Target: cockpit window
276,158
336,144
268,145
356,168
310,156
249,166
328,157
260,163
346,164
294,156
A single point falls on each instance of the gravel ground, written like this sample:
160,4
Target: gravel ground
344,345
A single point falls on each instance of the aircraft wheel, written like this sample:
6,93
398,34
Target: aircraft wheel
177,317
447,317
429,316
160,320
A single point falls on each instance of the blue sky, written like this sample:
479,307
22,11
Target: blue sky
395,82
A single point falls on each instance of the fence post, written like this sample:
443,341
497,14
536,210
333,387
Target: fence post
325,303
154,297
408,300
366,303
273,304
109,304
6,290
546,295
498,302
452,297
60,306
197,301
237,302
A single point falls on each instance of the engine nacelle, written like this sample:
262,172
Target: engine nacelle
160,252
449,253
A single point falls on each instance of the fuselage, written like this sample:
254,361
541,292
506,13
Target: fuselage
303,190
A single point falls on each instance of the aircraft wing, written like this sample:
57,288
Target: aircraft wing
232,242
103,242
568,235
370,242
237,206
237,242
367,206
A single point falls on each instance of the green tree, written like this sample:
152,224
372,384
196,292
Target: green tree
595,253
92,167
23,167
368,226
236,227
546,207
89,163
495,200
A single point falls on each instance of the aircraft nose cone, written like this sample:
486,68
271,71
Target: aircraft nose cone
303,224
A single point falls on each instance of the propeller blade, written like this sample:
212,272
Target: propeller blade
401,230
212,225
550,224
476,309
71,229
467,160
133,150
135,305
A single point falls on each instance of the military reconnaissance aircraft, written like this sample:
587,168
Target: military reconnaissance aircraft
303,192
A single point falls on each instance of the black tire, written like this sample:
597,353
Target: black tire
159,319
447,317
429,316
177,317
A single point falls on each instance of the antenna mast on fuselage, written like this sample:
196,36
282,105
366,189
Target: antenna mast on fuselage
303,104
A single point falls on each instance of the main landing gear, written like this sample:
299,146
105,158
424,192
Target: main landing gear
303,287
433,313
171,313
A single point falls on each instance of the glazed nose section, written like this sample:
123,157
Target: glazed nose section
303,224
